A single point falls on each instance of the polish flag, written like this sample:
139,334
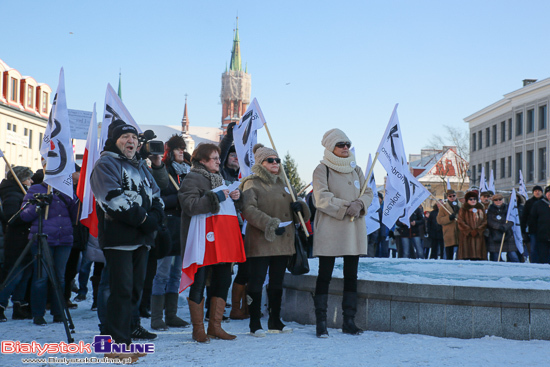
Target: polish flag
84,190
212,239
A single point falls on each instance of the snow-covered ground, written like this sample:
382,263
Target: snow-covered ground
302,348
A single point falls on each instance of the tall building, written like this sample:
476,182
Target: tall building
236,85
510,135
24,110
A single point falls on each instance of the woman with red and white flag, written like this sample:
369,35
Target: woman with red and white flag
206,253
269,239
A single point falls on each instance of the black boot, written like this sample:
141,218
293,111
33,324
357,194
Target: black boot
254,300
2,315
320,302
274,324
349,307
21,312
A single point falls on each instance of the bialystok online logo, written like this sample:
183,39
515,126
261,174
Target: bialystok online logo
101,344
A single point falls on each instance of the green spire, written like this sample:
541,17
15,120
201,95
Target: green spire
120,85
235,64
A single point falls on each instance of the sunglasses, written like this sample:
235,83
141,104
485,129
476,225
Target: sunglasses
452,196
497,200
273,160
343,144
472,199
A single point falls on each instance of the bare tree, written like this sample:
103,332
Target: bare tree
460,138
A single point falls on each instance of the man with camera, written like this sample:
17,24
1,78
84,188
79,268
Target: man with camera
130,212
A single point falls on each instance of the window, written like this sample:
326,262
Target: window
542,117
474,174
519,123
509,129
494,134
487,137
519,159
503,131
14,89
509,166
479,140
542,164
44,102
9,126
479,170
30,139
530,165
40,137
14,128
25,131
530,121
502,167
494,168
30,96
474,145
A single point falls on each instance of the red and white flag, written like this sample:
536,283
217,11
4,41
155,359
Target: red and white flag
212,239
84,190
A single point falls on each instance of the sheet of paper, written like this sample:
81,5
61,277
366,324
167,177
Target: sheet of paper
284,224
234,186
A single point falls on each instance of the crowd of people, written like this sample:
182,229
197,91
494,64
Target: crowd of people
145,214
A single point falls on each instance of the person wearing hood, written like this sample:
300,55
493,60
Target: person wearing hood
498,226
472,221
267,203
129,213
337,183
15,239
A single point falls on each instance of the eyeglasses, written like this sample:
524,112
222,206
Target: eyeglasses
497,199
452,196
343,144
273,160
215,159
472,199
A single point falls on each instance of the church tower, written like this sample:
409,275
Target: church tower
236,85
189,142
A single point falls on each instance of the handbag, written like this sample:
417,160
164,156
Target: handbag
298,263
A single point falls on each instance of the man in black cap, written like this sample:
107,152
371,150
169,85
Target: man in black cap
538,224
524,221
129,212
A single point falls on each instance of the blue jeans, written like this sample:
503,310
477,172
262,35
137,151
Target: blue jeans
17,287
382,249
84,274
167,278
39,293
416,244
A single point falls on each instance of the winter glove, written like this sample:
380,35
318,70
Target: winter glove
452,217
354,209
150,224
280,231
391,234
296,207
230,130
473,233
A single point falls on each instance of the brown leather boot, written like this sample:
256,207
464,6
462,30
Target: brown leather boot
197,317
238,297
217,306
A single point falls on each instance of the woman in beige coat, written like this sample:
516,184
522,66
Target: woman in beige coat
337,183
267,203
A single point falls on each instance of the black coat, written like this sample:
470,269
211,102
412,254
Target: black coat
435,230
496,223
524,217
172,209
539,220
418,229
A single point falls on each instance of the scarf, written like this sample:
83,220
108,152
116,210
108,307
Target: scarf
216,179
342,165
180,168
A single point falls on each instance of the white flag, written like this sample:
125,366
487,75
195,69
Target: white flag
245,137
491,186
403,191
522,188
513,216
448,184
482,181
57,146
372,219
114,110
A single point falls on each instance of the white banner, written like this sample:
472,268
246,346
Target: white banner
245,137
448,184
114,110
80,123
513,216
372,219
57,145
482,181
522,188
403,191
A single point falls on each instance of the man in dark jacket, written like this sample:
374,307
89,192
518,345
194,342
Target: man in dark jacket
538,224
524,221
130,211
229,164
412,236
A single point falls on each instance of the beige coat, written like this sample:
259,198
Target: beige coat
266,203
334,233
450,227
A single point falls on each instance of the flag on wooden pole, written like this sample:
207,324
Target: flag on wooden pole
245,137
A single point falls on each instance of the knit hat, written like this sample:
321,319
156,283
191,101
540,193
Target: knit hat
176,142
537,187
123,129
332,137
261,153
450,192
22,173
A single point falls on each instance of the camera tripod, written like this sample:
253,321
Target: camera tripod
44,260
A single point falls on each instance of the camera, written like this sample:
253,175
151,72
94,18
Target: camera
148,145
